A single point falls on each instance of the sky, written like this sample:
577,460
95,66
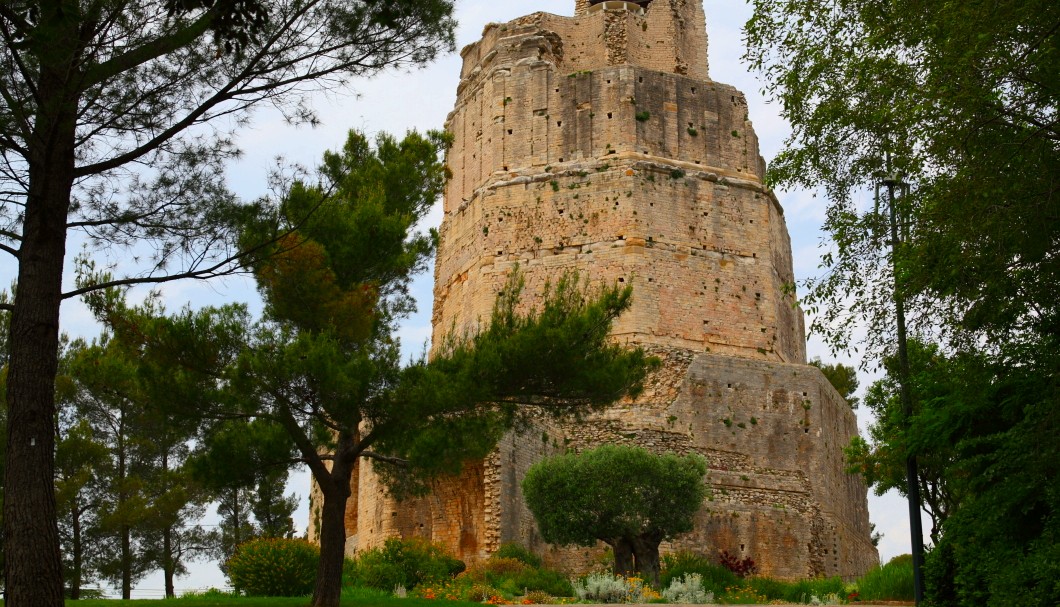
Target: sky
396,102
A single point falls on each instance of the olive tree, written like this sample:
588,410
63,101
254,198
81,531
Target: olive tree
624,496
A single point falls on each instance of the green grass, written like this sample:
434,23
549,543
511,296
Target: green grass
892,582
348,600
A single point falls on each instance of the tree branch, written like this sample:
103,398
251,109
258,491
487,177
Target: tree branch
153,50
397,461
218,269
225,93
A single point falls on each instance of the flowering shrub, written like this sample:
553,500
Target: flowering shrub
607,588
514,576
743,595
537,597
601,588
494,567
274,567
715,578
688,589
741,567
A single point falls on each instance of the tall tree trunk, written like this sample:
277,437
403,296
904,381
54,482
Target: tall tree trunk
335,490
623,550
33,566
78,554
126,562
168,562
646,555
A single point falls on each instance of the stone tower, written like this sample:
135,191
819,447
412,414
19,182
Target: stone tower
599,143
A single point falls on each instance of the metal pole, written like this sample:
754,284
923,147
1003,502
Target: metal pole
916,531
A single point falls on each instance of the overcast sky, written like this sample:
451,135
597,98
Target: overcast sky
397,102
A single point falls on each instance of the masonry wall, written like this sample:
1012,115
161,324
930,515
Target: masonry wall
597,143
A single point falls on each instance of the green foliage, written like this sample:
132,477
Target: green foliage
274,567
362,597
504,365
958,98
800,591
713,576
517,572
843,378
549,581
613,491
513,550
624,496
940,386
642,116
192,61
127,503
892,582
322,373
407,563
531,579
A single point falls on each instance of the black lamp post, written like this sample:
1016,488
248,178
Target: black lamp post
896,187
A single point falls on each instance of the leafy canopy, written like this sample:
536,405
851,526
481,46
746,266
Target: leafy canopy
617,494
959,97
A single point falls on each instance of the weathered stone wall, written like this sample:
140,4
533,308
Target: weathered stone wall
597,143
772,435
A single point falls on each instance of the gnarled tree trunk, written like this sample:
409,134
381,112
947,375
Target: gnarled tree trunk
646,556
623,550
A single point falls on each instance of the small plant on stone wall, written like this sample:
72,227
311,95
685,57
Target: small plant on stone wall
693,132
642,116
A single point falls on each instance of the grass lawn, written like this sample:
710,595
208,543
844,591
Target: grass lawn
263,602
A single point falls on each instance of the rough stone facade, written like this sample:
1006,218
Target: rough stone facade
598,143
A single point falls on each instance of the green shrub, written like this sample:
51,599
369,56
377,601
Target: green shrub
274,567
496,568
512,550
800,591
543,580
892,582
602,588
715,577
687,589
405,563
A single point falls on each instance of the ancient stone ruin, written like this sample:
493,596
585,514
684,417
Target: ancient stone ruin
599,143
